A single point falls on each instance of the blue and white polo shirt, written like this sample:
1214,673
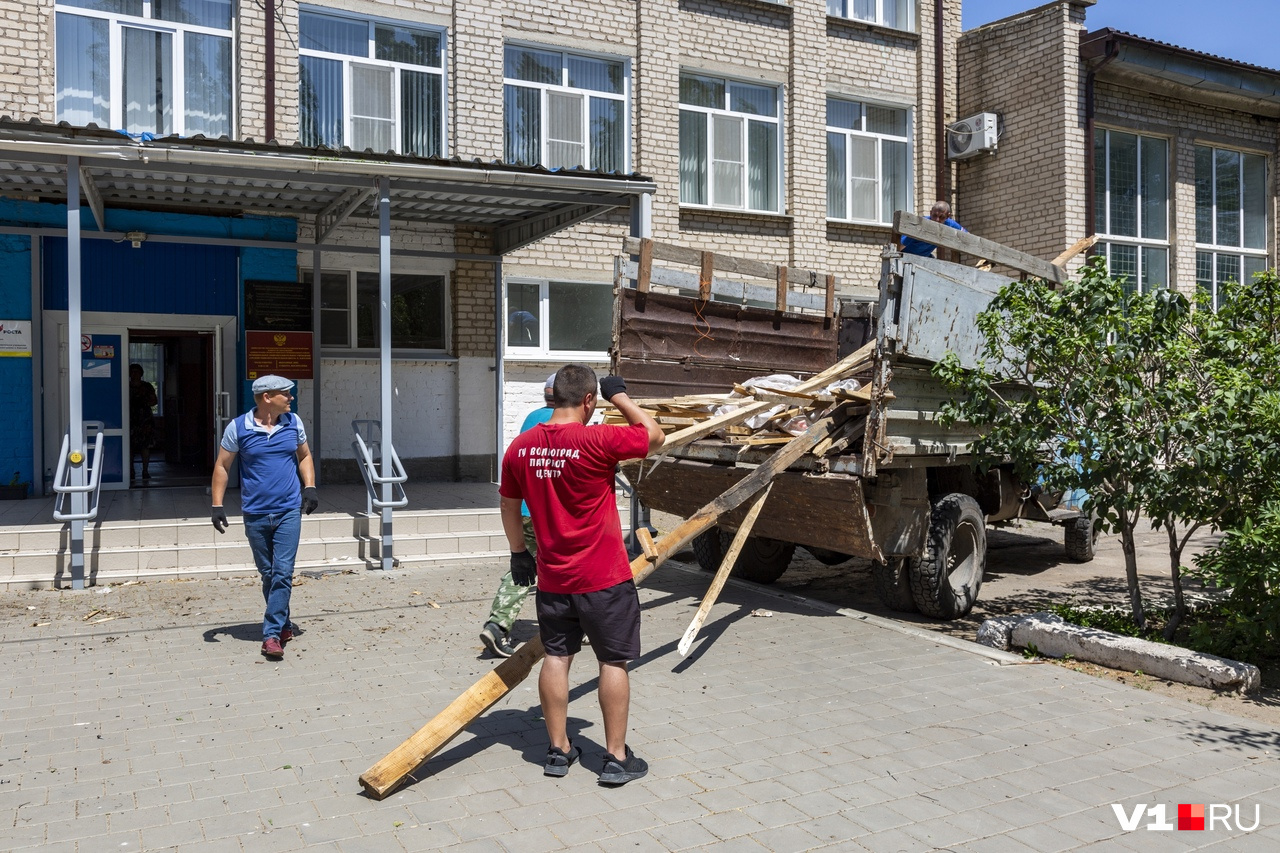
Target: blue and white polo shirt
268,462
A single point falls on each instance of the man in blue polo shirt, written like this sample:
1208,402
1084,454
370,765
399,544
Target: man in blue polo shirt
272,445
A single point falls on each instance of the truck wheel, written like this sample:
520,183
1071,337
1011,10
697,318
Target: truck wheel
827,558
1080,538
946,579
706,547
761,561
893,585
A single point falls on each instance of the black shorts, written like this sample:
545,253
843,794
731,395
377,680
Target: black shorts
609,617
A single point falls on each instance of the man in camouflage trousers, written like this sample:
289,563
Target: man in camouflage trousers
496,634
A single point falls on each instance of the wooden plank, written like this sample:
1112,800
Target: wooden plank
388,774
1076,248
944,235
645,266
726,289
796,276
831,296
646,543
706,274
722,574
848,364
780,292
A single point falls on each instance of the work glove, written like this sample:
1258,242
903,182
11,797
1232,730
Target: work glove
219,519
310,500
611,385
524,568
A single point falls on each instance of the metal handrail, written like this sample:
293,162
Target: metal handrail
93,486
369,470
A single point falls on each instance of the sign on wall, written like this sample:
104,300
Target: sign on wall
277,306
15,338
286,354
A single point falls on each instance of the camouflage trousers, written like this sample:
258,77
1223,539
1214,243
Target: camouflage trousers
507,603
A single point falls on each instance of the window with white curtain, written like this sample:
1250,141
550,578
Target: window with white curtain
367,83
561,319
349,304
868,161
562,110
1231,218
145,66
730,144
899,14
1131,207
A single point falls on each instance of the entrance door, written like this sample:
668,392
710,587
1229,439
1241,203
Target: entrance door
183,435
103,386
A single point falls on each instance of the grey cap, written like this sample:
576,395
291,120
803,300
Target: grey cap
270,382
551,382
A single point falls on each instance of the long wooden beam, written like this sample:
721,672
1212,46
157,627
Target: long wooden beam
944,235
389,773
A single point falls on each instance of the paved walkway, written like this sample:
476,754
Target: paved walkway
143,718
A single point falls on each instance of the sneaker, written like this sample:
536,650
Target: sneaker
617,772
286,635
558,762
271,648
495,640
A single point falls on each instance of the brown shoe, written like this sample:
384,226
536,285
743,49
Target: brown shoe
271,648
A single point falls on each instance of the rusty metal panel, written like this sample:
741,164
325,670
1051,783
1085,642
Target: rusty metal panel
677,345
822,511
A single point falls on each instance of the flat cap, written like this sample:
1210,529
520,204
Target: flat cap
271,382
551,381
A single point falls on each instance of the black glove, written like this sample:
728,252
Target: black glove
611,385
310,500
524,568
219,519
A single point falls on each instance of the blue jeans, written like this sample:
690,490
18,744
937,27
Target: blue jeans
273,538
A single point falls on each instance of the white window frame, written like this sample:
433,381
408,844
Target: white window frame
178,31
1216,251
369,60
848,9
1106,240
564,88
883,217
543,352
712,114
352,271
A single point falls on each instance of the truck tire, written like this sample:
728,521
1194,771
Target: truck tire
946,579
706,547
1080,539
893,585
828,558
761,561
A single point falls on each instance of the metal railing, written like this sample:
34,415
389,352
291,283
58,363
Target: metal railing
93,488
366,452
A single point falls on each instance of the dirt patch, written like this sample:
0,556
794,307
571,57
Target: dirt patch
1026,570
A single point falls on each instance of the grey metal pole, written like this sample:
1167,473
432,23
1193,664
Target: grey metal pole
384,358
316,396
75,409
641,226
499,371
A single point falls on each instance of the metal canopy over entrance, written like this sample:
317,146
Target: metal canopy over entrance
514,205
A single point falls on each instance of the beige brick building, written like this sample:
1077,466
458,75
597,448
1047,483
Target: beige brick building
1167,154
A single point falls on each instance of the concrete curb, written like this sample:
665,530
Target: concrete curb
1050,635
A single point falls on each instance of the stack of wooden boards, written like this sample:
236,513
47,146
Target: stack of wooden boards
766,412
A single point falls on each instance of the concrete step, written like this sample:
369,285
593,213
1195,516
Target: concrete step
187,548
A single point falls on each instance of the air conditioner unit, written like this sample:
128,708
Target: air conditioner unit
971,136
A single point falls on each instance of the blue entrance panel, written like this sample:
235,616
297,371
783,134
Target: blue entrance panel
102,396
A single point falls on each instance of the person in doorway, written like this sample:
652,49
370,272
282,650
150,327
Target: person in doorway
496,634
941,212
272,445
142,422
564,469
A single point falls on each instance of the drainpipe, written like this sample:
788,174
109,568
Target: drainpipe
1089,108
270,130
939,107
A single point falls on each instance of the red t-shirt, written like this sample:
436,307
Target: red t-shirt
565,473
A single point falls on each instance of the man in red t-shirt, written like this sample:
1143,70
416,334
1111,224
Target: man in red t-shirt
564,470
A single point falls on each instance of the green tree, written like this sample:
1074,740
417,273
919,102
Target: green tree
1076,389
